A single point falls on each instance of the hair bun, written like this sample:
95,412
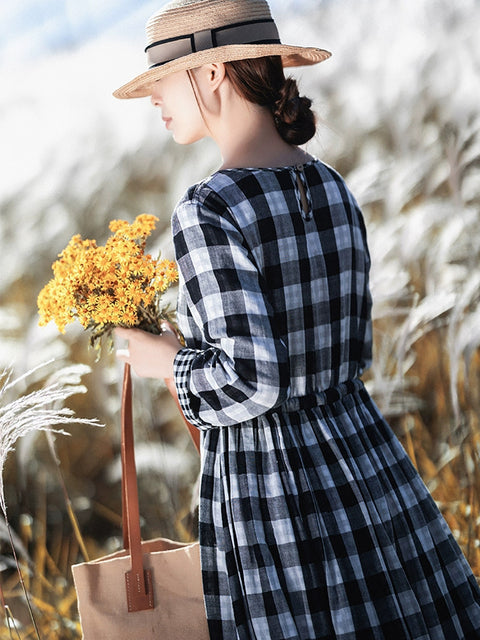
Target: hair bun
293,115
262,81
287,105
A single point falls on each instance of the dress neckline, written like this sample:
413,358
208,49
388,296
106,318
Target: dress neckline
289,167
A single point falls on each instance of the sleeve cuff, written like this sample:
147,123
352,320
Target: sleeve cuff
182,366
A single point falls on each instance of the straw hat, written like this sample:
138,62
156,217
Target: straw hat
185,34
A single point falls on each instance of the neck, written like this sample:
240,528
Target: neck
247,137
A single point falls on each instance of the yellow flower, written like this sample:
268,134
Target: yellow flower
110,285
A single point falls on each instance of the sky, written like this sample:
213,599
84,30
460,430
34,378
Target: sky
77,51
33,28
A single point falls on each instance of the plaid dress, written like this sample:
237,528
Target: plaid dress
314,524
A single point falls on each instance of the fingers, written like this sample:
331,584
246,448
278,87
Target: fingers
123,333
167,327
150,355
123,354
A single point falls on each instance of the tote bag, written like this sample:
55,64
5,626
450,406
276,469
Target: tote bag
149,590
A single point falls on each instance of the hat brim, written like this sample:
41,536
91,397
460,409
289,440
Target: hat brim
292,56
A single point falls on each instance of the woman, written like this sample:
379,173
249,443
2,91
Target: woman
313,522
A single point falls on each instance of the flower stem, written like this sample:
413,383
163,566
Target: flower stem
151,318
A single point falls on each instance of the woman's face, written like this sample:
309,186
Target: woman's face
180,112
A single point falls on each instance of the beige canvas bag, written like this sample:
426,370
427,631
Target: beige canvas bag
149,590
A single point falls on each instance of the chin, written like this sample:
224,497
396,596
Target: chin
186,138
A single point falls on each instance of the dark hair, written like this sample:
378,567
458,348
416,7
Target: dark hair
262,81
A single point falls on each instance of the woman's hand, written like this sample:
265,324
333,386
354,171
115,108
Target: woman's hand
151,356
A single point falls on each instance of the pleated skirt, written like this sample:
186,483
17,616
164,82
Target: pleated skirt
315,525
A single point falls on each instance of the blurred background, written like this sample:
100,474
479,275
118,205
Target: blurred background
398,110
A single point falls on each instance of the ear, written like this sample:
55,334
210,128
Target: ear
215,74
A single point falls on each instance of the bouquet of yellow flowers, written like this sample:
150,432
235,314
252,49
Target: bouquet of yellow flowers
115,285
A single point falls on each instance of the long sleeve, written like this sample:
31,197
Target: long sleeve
241,370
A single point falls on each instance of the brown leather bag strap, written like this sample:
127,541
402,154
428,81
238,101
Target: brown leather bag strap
138,581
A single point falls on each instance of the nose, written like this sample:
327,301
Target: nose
156,98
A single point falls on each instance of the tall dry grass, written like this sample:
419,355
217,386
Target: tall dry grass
406,86
399,108
28,415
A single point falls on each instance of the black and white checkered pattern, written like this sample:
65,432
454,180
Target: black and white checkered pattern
313,522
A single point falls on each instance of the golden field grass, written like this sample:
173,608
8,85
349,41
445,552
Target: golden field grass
449,466
400,120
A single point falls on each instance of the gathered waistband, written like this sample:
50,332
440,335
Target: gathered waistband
319,398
